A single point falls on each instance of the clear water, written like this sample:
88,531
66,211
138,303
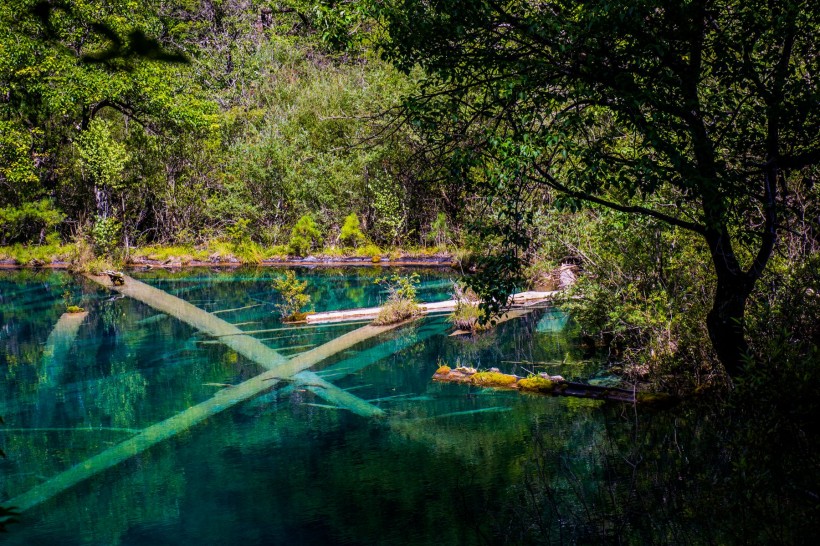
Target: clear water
448,465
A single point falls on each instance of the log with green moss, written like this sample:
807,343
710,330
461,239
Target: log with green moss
544,384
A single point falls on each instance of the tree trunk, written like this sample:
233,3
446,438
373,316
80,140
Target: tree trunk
725,322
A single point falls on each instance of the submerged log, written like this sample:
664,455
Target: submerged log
280,369
542,384
294,370
59,343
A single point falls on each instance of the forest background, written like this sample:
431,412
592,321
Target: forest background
251,129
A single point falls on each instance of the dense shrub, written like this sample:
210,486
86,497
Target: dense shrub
292,293
351,234
304,236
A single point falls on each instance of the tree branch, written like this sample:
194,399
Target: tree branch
550,181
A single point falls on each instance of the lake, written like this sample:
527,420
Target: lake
446,464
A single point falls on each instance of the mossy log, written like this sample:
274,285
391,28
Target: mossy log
542,384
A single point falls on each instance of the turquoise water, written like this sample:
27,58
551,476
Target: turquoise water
449,464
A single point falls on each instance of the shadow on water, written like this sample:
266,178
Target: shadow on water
701,473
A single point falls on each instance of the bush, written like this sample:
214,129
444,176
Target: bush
29,222
401,300
304,236
440,232
293,296
105,234
468,316
351,231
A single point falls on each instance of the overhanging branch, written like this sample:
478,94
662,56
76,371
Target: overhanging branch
550,181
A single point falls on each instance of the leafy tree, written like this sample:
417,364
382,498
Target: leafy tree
702,114
71,68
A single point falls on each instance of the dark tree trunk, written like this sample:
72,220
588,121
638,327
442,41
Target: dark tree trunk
725,322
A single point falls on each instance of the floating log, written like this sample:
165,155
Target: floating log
543,384
522,298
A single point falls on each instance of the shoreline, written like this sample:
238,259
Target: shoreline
440,260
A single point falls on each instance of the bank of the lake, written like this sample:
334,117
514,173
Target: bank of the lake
223,255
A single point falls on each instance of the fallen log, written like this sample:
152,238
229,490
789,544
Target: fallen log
294,370
279,370
542,384
59,343
522,298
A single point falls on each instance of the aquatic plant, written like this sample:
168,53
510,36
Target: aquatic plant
294,299
401,300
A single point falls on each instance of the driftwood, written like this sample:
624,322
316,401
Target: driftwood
542,384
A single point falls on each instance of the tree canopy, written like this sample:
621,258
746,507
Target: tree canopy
702,114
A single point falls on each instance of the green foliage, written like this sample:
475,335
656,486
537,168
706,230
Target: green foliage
32,221
468,316
304,236
390,214
351,234
17,171
401,287
624,106
102,157
401,299
440,234
637,298
292,293
105,235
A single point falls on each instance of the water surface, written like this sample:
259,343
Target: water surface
449,464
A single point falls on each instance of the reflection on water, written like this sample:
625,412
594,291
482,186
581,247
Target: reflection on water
449,464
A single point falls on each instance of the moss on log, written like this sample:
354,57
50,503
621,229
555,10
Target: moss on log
542,384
